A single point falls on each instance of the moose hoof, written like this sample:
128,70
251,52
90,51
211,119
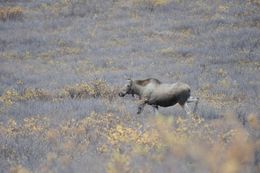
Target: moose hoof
139,110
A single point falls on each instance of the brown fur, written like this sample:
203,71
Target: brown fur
146,81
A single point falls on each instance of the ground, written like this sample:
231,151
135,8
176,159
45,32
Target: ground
63,62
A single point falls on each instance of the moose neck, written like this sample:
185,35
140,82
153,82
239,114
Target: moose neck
137,89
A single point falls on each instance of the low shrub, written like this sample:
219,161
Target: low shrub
11,13
151,5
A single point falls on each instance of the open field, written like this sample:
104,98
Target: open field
62,63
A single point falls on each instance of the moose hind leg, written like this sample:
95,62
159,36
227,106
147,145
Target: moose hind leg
193,99
186,108
196,106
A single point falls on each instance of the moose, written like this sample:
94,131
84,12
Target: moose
152,92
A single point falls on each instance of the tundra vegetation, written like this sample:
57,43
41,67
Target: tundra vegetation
62,63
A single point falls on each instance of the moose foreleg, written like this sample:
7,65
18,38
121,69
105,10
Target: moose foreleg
155,109
141,106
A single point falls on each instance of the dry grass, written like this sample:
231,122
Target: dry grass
215,146
150,5
257,2
97,88
11,13
70,125
229,150
11,96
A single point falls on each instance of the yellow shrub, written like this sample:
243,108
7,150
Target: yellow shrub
119,163
7,13
19,169
35,93
160,2
9,97
150,4
97,88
